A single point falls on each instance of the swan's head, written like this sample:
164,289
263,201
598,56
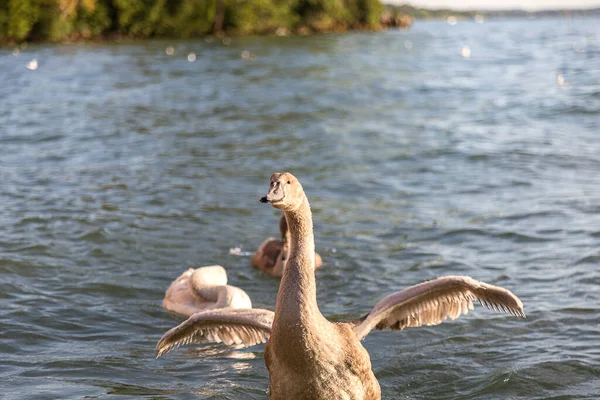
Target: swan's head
285,192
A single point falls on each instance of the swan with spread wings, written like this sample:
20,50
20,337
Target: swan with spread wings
308,356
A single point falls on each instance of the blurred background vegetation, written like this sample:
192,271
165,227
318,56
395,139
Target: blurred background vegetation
70,20
64,20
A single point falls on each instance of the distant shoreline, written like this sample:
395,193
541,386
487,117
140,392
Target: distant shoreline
71,21
102,23
427,13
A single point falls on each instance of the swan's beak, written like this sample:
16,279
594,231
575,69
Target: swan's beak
269,198
275,194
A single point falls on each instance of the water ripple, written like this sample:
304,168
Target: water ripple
122,167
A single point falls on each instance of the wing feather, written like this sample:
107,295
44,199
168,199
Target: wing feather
431,302
240,326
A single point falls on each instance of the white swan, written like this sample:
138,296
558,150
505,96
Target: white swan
307,356
201,289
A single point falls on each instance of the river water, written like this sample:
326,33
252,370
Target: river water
470,149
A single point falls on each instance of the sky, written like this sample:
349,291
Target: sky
499,4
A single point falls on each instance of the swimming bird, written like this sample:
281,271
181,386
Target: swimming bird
307,356
203,288
32,65
273,253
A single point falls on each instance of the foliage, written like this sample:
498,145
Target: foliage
424,13
187,18
21,16
260,16
59,20
369,12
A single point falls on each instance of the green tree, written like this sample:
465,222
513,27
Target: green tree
370,12
187,18
57,20
259,16
139,17
323,15
22,16
3,18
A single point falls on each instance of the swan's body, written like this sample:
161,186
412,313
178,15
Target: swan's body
202,289
272,254
307,356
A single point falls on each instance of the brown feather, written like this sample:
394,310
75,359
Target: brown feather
246,327
431,302
267,253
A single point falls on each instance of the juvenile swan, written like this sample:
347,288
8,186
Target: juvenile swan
307,356
273,253
201,289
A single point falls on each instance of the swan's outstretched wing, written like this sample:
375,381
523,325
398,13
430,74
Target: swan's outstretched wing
431,302
228,325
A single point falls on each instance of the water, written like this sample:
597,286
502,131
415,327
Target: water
122,166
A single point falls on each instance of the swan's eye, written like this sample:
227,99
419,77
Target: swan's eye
289,182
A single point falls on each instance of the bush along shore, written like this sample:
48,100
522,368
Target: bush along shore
72,20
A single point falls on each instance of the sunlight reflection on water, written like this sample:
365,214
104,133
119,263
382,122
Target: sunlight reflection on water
123,165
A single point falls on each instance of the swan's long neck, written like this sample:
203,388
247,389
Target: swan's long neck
207,280
297,297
